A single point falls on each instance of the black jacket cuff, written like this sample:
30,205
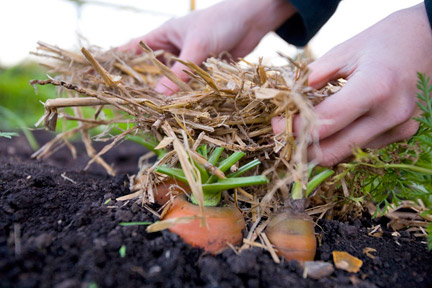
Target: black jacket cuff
428,5
311,16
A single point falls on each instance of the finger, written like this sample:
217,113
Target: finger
336,111
131,46
340,145
399,133
278,124
191,53
156,40
331,66
341,109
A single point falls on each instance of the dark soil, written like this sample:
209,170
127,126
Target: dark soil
55,233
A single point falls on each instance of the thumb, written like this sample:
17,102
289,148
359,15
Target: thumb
189,53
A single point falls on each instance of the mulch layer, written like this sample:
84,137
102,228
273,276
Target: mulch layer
57,229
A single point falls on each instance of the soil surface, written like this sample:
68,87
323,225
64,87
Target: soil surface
58,229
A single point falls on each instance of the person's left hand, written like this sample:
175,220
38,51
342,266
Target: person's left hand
376,105
233,26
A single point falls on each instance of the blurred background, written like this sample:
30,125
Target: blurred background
71,24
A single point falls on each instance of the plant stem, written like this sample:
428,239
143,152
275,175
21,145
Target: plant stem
230,183
150,143
401,166
214,157
317,180
226,164
214,186
244,168
203,172
297,191
135,223
210,199
212,192
175,173
202,150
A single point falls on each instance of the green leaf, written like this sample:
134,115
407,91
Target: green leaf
226,164
429,237
175,173
122,251
252,164
126,224
8,135
14,118
214,157
230,183
317,180
202,150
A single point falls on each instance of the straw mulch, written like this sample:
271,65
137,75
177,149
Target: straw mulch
228,104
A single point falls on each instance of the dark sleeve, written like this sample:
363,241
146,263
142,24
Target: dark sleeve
311,16
428,5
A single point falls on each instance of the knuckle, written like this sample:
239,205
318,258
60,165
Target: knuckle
384,88
407,130
329,159
404,114
197,45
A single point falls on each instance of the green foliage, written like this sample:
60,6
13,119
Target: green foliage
92,285
21,106
316,176
19,96
429,232
8,135
212,186
400,171
122,251
12,117
126,224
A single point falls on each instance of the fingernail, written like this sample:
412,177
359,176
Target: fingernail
278,124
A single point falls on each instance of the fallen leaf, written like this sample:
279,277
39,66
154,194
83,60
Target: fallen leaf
368,252
165,142
268,93
375,231
317,269
168,223
347,262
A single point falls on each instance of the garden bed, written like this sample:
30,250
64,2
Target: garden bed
58,229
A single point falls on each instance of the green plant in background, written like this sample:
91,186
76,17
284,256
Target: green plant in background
8,135
21,108
400,171
11,117
19,97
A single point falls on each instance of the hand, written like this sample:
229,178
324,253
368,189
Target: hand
376,105
233,26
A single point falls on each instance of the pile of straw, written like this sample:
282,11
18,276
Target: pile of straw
227,104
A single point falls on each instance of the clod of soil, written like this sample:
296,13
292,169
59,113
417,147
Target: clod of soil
59,228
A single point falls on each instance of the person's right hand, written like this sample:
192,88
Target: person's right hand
234,26
377,104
